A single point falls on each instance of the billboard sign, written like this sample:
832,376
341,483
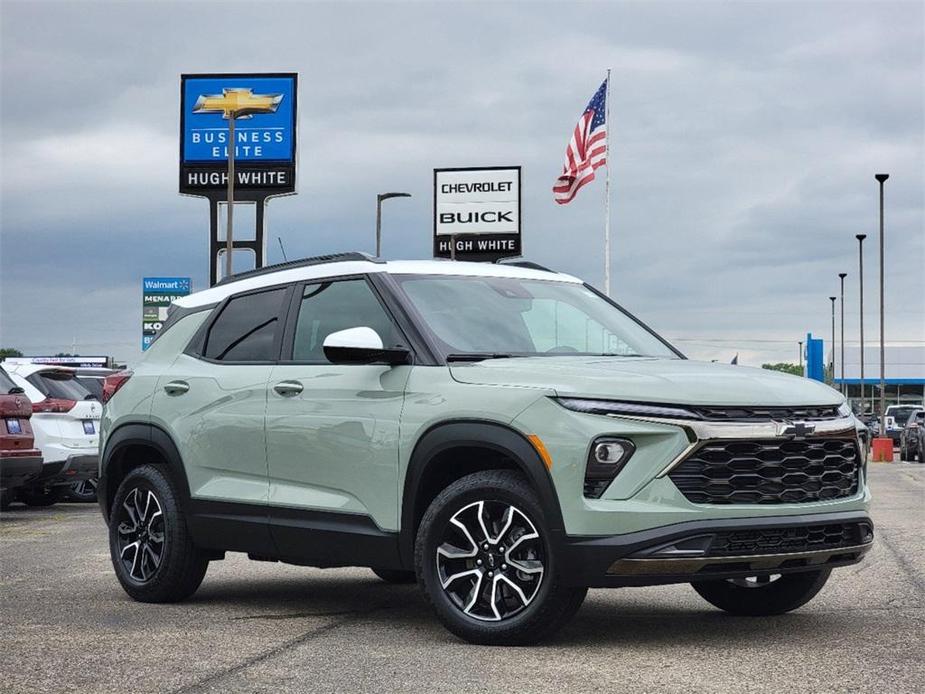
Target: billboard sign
265,143
478,210
157,293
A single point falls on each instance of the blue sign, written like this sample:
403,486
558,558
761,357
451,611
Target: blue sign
259,137
157,293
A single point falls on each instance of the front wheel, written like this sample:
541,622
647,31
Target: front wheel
154,558
763,595
485,562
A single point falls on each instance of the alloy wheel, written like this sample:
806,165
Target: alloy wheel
141,534
84,488
491,560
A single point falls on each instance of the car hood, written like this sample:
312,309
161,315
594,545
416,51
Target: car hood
643,379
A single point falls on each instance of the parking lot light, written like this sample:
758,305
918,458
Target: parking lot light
881,179
844,387
860,238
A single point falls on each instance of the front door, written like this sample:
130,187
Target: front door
332,430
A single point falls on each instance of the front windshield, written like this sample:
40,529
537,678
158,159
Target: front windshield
520,317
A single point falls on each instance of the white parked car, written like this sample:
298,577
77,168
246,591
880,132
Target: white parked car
65,422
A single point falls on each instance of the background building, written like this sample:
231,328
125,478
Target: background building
904,369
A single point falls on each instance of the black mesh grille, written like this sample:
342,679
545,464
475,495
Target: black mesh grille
782,540
769,471
739,414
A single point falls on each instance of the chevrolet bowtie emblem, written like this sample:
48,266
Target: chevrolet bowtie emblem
237,103
796,430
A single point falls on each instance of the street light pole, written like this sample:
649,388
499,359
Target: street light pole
844,386
800,342
881,179
379,198
832,299
860,238
229,236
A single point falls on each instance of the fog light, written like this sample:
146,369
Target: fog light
605,460
610,452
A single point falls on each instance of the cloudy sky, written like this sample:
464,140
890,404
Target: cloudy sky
744,142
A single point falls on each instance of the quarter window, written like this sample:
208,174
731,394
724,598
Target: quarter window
331,306
246,329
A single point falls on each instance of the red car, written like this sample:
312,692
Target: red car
20,461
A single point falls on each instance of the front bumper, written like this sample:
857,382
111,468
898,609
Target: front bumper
75,468
716,549
17,470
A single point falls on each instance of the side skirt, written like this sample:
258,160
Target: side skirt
295,536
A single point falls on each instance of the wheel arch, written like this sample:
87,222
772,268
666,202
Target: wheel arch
118,458
436,461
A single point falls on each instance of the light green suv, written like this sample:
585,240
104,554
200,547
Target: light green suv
503,434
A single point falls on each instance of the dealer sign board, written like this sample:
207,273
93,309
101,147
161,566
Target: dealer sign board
265,141
478,210
157,293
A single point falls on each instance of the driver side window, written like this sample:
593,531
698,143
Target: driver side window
328,307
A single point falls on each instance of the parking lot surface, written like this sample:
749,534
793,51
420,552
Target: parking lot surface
67,626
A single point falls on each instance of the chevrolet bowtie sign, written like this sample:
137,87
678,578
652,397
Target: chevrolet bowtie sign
264,106
477,213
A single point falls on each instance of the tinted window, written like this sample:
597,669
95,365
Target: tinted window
59,384
94,385
246,329
6,383
332,306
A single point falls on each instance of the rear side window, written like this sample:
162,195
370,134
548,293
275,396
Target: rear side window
332,306
247,329
6,383
59,385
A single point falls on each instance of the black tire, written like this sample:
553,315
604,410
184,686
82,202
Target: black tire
786,593
40,497
395,576
82,492
180,566
550,604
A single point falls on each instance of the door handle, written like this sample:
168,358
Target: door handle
288,388
176,387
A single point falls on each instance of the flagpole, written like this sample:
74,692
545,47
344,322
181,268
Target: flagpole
607,192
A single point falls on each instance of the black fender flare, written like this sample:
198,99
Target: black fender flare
481,434
140,434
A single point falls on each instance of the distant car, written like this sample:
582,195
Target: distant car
20,461
65,421
92,379
912,435
896,418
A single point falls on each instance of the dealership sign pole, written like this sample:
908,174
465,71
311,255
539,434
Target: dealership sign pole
477,213
227,162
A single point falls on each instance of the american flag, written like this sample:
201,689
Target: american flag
586,151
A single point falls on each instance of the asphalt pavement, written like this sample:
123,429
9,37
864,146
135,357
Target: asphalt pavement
66,625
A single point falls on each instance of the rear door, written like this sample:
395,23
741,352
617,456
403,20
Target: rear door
332,430
212,400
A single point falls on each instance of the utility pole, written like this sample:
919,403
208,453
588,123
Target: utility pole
881,178
832,299
800,342
379,198
860,238
844,386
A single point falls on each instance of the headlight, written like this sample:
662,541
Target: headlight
845,410
632,409
607,457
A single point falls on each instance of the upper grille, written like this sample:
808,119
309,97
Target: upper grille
769,471
783,540
742,414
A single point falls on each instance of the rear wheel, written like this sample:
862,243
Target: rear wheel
151,550
394,575
763,595
486,564
83,491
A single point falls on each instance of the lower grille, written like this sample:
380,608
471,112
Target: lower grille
783,540
770,471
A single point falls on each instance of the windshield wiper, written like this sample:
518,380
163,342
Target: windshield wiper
476,356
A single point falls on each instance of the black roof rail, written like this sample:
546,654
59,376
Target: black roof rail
302,262
528,264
